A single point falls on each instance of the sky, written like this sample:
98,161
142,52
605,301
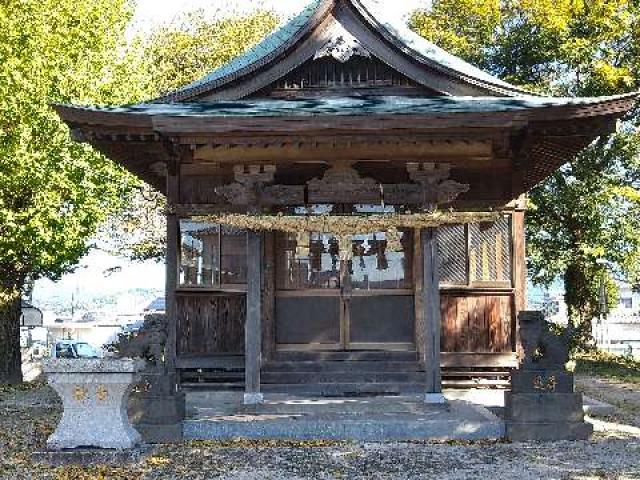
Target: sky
155,12
90,278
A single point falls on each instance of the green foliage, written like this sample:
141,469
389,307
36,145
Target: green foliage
173,56
53,192
590,209
582,47
189,49
607,365
465,28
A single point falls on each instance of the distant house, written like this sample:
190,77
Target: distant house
621,331
156,306
31,316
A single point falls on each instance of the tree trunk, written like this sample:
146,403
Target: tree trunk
10,355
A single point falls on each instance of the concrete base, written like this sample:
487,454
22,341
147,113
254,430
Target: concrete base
223,417
545,417
165,433
548,432
157,410
435,399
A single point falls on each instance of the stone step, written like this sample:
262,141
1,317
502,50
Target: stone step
344,389
365,355
343,366
342,377
456,421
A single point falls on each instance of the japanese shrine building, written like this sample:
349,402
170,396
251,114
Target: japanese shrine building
345,112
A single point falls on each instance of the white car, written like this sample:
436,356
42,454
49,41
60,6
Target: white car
73,349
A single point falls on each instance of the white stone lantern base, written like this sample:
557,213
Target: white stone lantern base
95,395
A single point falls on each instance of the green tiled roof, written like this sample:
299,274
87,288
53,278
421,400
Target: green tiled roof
382,13
266,47
391,105
382,16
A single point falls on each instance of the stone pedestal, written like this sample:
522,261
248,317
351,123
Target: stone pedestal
94,395
542,406
157,409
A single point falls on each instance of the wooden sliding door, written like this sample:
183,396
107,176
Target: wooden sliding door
329,299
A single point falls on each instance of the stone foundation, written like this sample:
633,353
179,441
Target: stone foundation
543,406
157,410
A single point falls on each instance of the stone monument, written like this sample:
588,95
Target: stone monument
542,404
94,394
156,408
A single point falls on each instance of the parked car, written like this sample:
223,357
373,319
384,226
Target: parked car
73,349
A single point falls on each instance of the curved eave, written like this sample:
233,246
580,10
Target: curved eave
144,117
138,139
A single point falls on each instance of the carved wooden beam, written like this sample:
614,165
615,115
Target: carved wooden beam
251,188
437,188
343,184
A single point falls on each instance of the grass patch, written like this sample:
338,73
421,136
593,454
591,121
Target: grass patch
603,364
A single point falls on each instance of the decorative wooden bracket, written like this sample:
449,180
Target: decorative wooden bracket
250,182
343,184
342,46
251,188
437,188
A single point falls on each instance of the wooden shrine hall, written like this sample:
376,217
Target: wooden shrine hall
345,207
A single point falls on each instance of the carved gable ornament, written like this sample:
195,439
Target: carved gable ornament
342,46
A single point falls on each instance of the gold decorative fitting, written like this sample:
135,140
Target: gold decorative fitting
80,393
549,385
102,393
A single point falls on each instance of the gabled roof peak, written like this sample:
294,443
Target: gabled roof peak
375,24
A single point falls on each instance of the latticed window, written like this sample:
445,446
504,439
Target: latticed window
452,249
490,251
476,253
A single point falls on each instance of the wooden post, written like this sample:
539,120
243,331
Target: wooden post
171,284
253,327
432,315
519,277
173,243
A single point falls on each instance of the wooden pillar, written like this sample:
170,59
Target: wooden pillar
432,315
253,323
519,277
172,259
171,283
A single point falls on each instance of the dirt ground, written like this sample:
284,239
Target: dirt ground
27,416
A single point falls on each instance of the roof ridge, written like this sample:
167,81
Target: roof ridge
451,64
379,15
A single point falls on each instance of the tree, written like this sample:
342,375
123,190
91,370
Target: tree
53,192
590,208
173,56
190,48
